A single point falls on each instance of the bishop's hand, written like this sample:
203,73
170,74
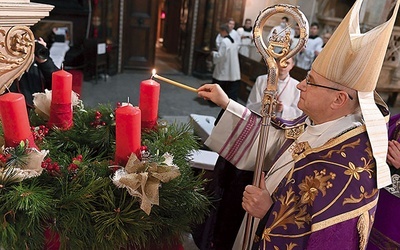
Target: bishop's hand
257,200
214,93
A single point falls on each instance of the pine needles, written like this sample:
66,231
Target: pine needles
79,201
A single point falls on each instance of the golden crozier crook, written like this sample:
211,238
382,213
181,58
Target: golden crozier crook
278,49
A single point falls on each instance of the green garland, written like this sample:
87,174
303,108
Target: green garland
82,205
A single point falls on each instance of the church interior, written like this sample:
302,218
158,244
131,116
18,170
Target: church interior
185,31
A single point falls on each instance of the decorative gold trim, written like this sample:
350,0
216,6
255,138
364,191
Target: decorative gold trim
332,142
343,217
363,195
363,226
294,132
299,148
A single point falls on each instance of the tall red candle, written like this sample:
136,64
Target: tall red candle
61,106
148,102
128,133
15,121
61,87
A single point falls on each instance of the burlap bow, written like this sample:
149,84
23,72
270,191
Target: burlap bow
31,167
142,179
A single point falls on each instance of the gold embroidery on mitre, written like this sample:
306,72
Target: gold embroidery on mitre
294,132
363,229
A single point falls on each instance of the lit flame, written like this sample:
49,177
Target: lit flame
153,73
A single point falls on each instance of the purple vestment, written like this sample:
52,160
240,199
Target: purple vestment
328,200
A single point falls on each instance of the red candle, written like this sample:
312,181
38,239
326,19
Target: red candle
61,106
15,120
148,102
61,87
128,133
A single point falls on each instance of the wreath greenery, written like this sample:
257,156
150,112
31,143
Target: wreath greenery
75,199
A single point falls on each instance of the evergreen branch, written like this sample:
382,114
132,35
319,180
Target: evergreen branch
84,207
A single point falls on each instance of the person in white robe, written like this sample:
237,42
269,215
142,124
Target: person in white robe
314,44
287,94
246,36
232,33
281,28
226,60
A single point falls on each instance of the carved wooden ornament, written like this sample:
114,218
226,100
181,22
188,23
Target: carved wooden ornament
16,53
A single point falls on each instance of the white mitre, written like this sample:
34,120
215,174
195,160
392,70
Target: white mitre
354,59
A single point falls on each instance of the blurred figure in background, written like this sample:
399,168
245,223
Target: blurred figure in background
226,60
281,28
325,39
232,33
306,57
296,37
246,36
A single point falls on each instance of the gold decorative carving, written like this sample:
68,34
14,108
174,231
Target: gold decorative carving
16,53
294,132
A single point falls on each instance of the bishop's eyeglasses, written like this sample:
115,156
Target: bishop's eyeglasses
322,86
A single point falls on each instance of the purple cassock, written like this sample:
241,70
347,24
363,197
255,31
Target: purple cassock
330,194
385,233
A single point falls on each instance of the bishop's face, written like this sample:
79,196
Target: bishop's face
316,97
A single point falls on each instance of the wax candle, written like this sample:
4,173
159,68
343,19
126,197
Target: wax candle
128,133
61,87
61,106
14,119
148,102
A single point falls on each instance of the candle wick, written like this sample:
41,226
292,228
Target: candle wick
62,66
128,99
